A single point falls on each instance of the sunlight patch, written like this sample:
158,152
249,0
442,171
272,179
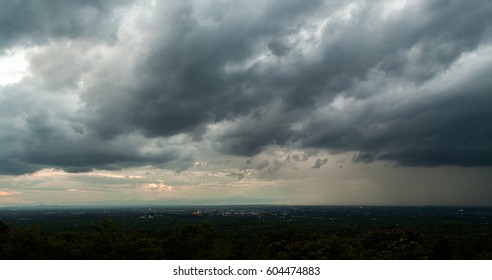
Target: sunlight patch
159,187
393,7
13,67
7,193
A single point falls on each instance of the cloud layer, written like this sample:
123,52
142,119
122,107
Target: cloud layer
120,83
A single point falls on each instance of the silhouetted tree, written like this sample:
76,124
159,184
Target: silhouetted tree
4,229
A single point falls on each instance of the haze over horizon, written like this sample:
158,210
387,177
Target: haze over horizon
268,102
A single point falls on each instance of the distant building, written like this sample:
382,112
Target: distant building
197,213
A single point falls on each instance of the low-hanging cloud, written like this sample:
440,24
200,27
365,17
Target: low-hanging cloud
319,162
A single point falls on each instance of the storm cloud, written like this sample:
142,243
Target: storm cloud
115,84
30,22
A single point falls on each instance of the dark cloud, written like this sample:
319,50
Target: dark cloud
248,135
363,157
449,125
31,22
236,175
278,48
319,162
188,78
410,86
43,132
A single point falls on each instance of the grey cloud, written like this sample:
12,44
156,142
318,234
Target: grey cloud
236,175
41,133
31,22
449,130
278,48
183,80
363,157
276,158
319,162
60,65
245,76
447,127
248,135
262,165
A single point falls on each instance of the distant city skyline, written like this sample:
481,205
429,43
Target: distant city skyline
246,102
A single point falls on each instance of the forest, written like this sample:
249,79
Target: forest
284,234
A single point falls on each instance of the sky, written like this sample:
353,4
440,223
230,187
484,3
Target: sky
246,102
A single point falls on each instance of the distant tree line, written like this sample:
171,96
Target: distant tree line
202,241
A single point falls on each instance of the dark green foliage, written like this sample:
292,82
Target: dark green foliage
201,241
4,229
193,242
394,243
346,234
